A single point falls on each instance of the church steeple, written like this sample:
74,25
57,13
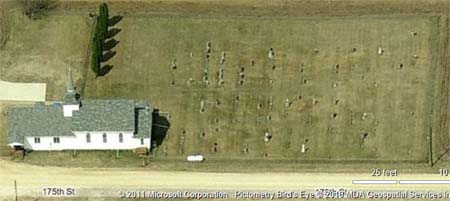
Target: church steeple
71,100
70,88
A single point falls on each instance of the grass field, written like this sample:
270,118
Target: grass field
346,102
41,50
329,91
102,159
3,133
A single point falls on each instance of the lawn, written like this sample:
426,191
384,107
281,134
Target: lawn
4,150
41,50
330,88
100,159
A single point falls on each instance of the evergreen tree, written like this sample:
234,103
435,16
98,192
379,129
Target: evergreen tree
103,18
96,55
101,30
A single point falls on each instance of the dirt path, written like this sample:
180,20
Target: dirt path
22,91
108,182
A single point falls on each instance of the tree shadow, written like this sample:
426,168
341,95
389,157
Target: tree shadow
105,69
110,44
160,126
113,32
37,9
114,20
107,56
52,4
77,96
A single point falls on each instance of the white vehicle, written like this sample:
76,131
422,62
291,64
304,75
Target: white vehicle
195,158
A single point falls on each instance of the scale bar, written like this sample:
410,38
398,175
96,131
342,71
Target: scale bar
374,182
424,181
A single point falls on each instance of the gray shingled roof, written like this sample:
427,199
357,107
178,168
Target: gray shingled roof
144,122
94,115
37,121
104,115
71,98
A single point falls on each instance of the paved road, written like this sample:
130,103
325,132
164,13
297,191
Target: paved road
108,182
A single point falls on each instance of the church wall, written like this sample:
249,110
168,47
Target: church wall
68,109
112,141
79,142
47,143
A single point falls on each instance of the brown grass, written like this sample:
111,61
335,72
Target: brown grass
132,56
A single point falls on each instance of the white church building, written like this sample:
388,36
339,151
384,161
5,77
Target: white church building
75,124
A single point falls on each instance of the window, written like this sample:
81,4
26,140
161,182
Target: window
105,140
142,141
88,138
37,140
120,138
56,140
